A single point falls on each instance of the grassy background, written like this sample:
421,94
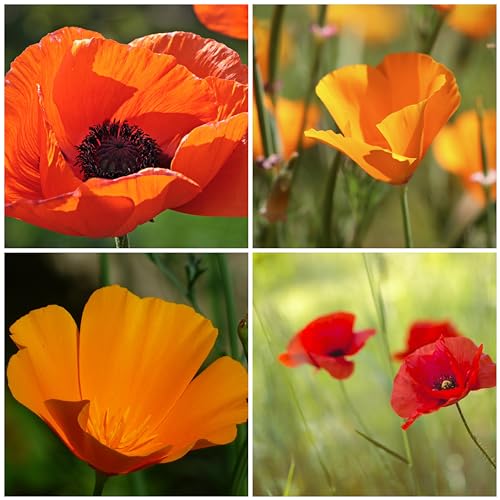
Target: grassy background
303,417
441,211
36,461
27,24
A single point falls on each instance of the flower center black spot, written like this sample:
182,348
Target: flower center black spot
336,353
445,382
115,149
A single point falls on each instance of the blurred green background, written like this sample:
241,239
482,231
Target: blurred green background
36,461
367,212
27,24
301,415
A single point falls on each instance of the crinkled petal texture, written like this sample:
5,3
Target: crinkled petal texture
174,87
325,342
440,374
388,115
123,392
425,332
457,149
230,20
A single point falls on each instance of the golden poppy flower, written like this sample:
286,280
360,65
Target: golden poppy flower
388,114
230,20
475,21
372,23
288,115
101,137
457,149
122,392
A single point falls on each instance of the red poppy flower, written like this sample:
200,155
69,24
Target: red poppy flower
440,374
425,332
230,20
101,137
325,343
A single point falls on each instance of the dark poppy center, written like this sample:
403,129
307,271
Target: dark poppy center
445,382
336,353
115,149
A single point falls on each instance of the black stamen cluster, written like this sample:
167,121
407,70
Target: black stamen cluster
115,149
445,382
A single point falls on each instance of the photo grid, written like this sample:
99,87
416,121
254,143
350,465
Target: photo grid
250,249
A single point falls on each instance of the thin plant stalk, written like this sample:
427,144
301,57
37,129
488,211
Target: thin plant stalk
380,310
289,478
331,182
122,241
274,46
313,77
487,189
476,442
104,279
352,407
431,41
406,216
100,481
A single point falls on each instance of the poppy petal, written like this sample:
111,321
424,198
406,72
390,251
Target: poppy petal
206,149
201,413
231,97
202,56
339,367
359,340
379,163
165,360
296,354
230,20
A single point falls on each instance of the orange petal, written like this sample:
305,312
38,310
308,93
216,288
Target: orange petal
212,405
377,162
476,21
205,151
46,365
231,97
202,56
230,20
157,349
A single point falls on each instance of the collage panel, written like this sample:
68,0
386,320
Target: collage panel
374,374
374,126
118,116
126,374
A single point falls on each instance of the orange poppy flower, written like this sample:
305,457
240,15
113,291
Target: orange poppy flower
373,23
230,20
475,21
288,115
457,149
101,137
388,114
122,392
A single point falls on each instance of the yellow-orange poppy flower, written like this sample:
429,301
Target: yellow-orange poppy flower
101,136
122,392
288,114
475,21
230,20
372,23
388,114
457,149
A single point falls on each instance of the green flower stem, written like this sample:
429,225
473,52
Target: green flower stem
406,216
313,77
122,241
483,451
274,45
100,481
490,224
264,125
429,44
104,269
352,407
325,237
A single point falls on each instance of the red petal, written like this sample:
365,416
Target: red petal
359,340
296,354
338,368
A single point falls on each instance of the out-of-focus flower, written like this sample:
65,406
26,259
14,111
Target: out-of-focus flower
325,343
457,149
123,392
475,21
425,332
444,8
388,114
262,40
440,374
288,114
324,32
372,23
230,20
101,136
